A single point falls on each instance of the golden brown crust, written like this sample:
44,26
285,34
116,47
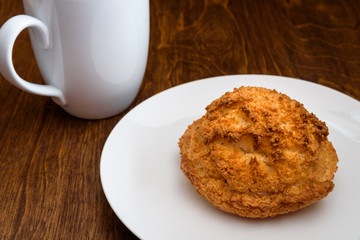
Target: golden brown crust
258,153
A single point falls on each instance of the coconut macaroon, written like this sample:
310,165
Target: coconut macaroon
258,153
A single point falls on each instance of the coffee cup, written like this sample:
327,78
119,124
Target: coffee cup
92,54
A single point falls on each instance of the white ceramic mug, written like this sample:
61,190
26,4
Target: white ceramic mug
92,54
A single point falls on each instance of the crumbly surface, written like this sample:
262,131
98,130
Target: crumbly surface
258,153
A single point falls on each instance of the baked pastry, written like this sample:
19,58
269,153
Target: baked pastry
258,153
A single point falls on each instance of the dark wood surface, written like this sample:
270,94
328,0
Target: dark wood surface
49,161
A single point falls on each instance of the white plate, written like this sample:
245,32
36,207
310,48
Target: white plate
142,180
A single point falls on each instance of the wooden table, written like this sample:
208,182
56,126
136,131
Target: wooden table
49,161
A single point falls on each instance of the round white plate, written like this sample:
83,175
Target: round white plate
142,180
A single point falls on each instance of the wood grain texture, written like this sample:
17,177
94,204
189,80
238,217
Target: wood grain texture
49,161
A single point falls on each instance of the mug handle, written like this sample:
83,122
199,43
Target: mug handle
8,34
